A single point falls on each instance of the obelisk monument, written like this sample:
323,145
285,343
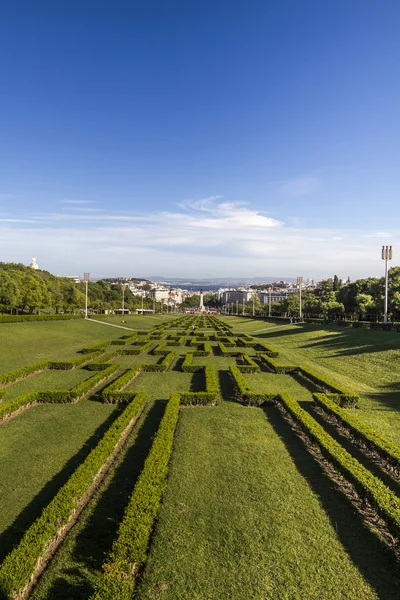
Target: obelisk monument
201,306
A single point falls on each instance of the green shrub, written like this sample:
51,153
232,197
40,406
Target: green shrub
24,318
247,364
114,393
212,393
130,546
244,392
262,348
203,350
360,430
77,392
274,366
8,407
343,396
2,393
20,564
13,376
188,366
384,500
99,346
75,362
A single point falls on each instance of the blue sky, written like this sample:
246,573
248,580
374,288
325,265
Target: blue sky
200,139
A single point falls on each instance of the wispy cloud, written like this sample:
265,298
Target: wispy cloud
206,237
300,186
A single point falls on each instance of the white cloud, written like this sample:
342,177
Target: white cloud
209,237
68,201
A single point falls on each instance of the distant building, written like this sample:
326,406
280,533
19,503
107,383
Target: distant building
34,264
228,296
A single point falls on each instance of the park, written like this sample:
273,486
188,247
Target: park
194,456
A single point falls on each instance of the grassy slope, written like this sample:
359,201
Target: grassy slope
38,451
240,521
365,361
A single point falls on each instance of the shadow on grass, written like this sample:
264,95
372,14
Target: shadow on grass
356,341
352,449
13,534
294,330
375,562
198,382
95,540
227,388
389,401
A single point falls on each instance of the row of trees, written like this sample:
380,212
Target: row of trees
361,300
24,290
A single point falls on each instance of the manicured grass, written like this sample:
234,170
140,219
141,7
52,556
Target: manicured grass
240,521
39,449
48,380
277,384
136,321
27,343
162,385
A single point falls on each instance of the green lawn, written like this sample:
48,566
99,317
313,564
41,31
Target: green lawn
39,449
242,518
48,380
278,384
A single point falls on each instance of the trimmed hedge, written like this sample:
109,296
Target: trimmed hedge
273,365
19,565
247,365
114,393
188,366
77,392
8,407
162,366
13,376
212,395
75,362
21,318
99,346
2,393
360,430
262,348
244,392
343,396
229,352
384,500
129,549
203,350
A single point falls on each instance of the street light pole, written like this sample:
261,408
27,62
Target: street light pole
86,277
269,303
299,283
386,255
243,307
253,305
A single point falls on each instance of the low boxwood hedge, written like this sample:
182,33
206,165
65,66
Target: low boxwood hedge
13,376
203,350
18,567
244,392
129,549
77,392
67,365
25,318
360,430
8,407
114,393
274,366
188,366
99,346
212,394
262,348
343,396
246,364
385,501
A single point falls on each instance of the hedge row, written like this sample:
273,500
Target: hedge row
360,430
274,366
161,348
203,350
99,346
247,365
114,393
19,565
137,349
188,366
244,392
384,500
77,392
212,394
12,376
67,365
177,341
262,348
21,318
2,393
162,366
341,395
129,549
8,407
229,352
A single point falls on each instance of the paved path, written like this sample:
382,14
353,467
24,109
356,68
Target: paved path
112,325
271,328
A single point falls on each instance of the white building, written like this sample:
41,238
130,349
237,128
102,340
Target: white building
240,296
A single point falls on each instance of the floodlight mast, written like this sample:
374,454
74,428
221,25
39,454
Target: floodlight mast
386,255
86,277
299,283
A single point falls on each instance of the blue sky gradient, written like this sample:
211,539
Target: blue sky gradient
200,138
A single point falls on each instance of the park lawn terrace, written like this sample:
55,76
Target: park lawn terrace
239,520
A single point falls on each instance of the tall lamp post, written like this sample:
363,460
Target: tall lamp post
86,277
253,304
386,255
299,283
269,301
123,297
